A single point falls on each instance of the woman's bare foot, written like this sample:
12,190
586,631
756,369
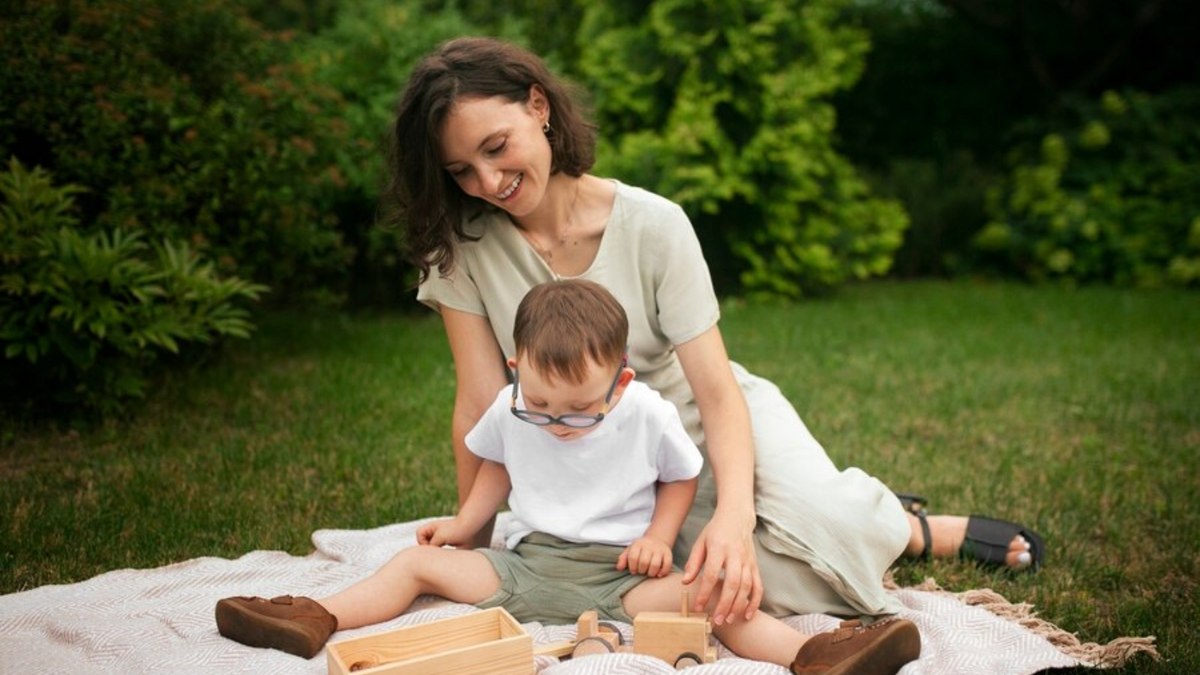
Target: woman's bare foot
948,533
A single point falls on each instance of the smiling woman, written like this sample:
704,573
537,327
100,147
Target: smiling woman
500,153
508,103
490,164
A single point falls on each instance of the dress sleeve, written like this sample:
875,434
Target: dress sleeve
458,290
686,303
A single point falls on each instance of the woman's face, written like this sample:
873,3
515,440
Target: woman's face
496,151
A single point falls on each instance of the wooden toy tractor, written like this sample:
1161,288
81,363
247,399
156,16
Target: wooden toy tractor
681,639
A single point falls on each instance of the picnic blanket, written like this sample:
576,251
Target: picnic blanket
161,621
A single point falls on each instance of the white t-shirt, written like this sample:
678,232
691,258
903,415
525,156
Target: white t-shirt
598,488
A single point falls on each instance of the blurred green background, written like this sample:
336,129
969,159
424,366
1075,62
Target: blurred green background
172,166
992,205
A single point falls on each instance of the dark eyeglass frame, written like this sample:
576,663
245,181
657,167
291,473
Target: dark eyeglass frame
572,420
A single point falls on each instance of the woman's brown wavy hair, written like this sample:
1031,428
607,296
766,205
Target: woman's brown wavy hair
421,196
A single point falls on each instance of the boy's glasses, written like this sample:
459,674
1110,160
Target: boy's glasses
573,420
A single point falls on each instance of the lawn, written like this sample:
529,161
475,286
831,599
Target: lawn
1076,411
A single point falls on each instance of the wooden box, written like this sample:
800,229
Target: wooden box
480,643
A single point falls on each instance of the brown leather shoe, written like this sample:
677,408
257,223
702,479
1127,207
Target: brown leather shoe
299,626
879,649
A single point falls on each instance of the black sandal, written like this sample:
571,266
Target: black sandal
987,538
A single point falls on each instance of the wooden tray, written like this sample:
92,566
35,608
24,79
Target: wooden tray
485,642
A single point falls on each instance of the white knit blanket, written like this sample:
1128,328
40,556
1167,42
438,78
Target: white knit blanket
161,620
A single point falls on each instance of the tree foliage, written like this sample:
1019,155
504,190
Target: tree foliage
84,315
183,120
365,56
1112,195
725,108
1074,47
951,86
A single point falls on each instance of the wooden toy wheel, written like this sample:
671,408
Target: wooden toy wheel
591,645
606,627
687,660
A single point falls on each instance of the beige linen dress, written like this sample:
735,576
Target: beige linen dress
824,537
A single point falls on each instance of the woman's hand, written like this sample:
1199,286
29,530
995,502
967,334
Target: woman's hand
446,532
647,556
723,556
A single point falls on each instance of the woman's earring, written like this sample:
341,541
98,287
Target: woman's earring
546,128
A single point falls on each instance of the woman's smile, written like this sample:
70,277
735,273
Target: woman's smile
512,188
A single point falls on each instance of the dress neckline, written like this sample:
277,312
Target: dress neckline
612,216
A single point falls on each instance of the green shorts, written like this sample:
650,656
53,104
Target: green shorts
551,580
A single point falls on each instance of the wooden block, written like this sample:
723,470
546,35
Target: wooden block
480,643
588,624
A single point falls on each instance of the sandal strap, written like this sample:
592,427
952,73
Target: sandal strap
922,517
915,504
911,503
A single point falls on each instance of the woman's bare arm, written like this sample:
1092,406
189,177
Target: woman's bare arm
726,543
479,375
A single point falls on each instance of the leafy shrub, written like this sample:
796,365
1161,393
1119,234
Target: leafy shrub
309,16
944,200
724,107
180,122
548,27
365,56
83,317
1113,195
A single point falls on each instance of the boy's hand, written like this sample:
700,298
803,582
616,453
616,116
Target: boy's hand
648,556
446,532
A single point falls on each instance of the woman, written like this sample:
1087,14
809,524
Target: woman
490,157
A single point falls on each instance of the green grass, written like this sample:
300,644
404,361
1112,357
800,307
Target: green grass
1076,411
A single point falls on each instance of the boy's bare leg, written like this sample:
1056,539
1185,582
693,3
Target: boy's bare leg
458,575
763,638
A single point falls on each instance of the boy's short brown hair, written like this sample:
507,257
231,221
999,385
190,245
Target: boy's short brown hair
561,325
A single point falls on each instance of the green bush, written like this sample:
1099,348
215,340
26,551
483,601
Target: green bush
84,317
308,16
1112,195
547,27
365,56
724,107
182,120
944,199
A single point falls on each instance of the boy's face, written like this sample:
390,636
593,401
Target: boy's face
555,396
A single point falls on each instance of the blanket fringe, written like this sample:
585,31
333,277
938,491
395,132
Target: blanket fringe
1115,654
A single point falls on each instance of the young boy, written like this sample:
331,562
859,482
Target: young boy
599,474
